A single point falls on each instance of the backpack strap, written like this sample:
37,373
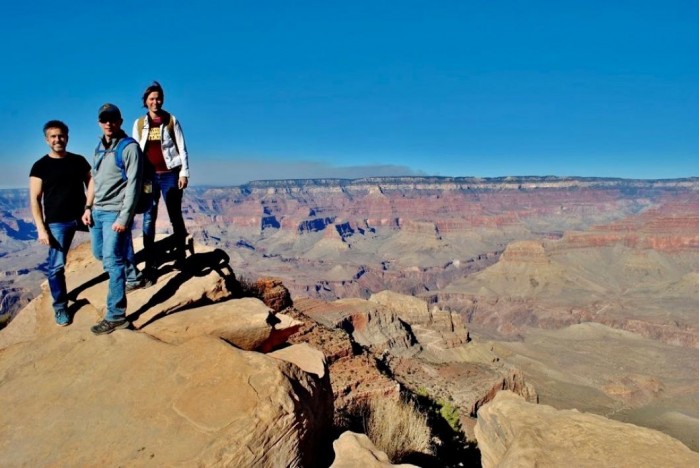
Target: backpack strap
119,161
99,156
140,123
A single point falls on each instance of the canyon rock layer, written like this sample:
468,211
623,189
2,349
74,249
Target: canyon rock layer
588,287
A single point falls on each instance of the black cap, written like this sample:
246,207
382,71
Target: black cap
109,110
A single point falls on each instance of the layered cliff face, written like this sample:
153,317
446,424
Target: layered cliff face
638,274
338,238
333,238
398,342
513,257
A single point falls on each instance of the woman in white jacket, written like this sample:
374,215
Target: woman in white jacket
160,136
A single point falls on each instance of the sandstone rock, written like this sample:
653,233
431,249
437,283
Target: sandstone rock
369,324
246,323
273,293
207,279
377,327
186,398
531,252
468,385
335,343
435,329
36,321
354,450
305,357
126,399
468,375
355,378
410,309
512,432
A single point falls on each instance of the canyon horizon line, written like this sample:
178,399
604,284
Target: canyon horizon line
509,180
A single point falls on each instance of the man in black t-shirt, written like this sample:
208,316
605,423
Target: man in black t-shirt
57,184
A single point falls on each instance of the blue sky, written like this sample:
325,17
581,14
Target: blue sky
276,89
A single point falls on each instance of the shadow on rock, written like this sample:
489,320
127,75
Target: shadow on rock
199,264
72,295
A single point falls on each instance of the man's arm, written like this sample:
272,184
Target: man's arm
36,192
90,199
133,166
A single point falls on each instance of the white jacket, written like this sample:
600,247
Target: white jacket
174,155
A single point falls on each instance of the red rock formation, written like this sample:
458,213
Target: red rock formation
273,293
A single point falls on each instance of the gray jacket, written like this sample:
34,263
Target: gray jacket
112,192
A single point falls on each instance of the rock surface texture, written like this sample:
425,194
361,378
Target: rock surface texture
514,433
178,392
354,450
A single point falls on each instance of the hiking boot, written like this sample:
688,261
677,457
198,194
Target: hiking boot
62,318
105,327
134,286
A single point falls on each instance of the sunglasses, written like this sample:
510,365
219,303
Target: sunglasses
109,120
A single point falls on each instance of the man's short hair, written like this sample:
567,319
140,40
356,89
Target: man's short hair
153,88
56,124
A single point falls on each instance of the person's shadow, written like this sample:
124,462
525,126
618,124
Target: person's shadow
164,249
75,292
199,264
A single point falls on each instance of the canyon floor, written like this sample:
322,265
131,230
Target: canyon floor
618,374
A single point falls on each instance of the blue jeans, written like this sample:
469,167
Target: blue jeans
111,248
165,184
61,236
133,275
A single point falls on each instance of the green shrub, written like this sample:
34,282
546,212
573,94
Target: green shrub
450,414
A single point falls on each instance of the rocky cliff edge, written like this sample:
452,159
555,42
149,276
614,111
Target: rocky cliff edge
187,385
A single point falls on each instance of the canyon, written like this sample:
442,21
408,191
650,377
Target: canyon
584,288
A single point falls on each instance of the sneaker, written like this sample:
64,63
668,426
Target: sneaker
105,327
134,286
62,318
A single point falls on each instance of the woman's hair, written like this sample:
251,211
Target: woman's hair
153,88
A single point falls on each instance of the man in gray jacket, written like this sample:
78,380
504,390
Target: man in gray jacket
111,201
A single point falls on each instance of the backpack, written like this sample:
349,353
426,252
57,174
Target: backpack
141,122
145,198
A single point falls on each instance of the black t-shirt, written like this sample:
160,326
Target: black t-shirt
63,184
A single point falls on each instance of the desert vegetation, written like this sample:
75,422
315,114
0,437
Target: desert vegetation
397,428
